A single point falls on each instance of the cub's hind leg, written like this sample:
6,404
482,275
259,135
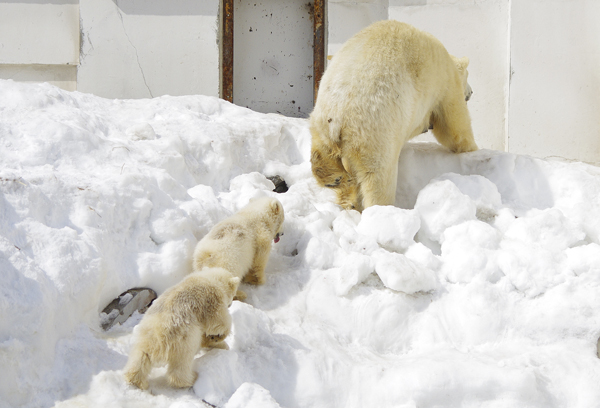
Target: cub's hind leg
180,359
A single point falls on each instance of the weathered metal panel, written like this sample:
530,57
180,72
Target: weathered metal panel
273,56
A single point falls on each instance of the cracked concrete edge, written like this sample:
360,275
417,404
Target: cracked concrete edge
137,57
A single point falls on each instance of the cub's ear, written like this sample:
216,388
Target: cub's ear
234,283
275,207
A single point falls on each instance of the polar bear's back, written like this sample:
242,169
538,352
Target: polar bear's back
183,311
229,245
387,53
389,71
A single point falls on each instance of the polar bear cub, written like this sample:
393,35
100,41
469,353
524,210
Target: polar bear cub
190,315
387,84
241,243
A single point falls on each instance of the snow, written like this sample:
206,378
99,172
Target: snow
478,289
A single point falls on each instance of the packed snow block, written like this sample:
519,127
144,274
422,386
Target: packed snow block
251,395
547,228
244,188
482,191
346,222
532,270
583,259
535,249
355,269
422,255
469,251
121,308
218,376
251,327
350,240
393,228
204,210
319,254
141,131
399,273
440,205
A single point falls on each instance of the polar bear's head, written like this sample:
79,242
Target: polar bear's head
461,65
329,171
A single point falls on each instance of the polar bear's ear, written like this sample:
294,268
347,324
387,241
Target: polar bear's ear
234,283
463,63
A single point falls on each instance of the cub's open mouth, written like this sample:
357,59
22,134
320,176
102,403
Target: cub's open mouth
279,234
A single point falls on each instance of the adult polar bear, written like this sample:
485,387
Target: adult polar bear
386,85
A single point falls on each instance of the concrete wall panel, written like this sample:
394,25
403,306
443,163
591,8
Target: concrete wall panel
138,49
478,30
555,85
62,76
36,32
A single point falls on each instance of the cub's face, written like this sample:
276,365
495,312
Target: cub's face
277,216
461,65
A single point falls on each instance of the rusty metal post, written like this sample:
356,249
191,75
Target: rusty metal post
319,44
227,52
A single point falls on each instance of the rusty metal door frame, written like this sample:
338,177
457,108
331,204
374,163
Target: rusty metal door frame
319,35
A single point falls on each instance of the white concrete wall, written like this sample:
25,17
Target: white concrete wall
555,86
146,48
39,41
478,30
346,17
62,76
44,32
535,64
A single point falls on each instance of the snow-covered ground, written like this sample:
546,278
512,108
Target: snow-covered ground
481,288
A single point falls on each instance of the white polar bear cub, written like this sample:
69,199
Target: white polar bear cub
387,84
241,243
190,315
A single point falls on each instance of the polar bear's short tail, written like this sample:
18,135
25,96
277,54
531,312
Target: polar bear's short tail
329,128
138,368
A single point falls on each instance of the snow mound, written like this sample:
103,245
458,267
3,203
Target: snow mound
478,288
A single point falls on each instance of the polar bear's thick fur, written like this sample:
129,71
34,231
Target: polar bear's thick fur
387,84
192,314
241,243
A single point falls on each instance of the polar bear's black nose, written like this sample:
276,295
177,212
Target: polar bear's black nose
468,94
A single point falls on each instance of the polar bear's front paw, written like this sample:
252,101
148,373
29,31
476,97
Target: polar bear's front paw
240,295
214,341
181,379
254,278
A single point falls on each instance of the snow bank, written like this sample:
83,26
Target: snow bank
479,288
